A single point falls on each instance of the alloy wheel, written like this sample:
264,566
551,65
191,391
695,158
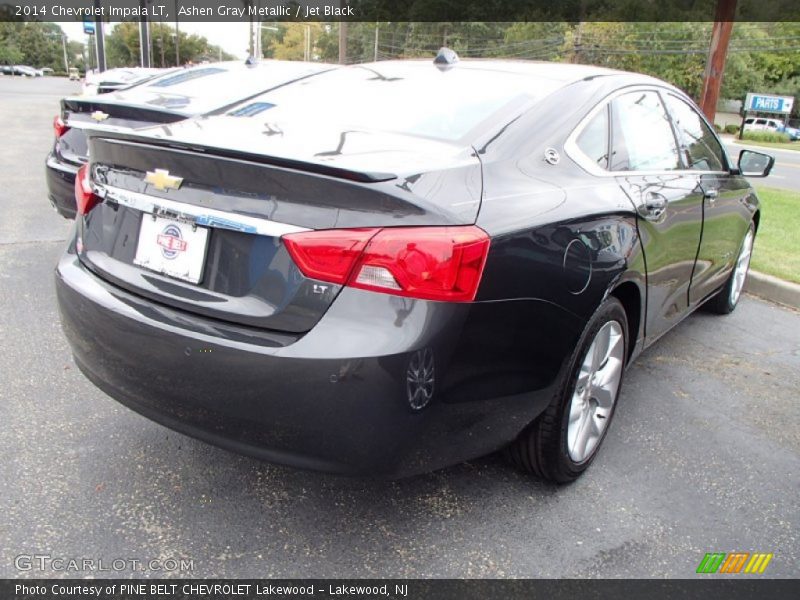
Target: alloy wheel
740,270
595,392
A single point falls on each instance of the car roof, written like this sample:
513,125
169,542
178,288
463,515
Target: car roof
557,72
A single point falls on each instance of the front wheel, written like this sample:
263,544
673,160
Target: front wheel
728,297
563,441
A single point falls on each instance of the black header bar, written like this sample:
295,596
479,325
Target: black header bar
395,10
702,588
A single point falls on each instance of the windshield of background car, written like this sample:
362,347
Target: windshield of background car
416,99
202,89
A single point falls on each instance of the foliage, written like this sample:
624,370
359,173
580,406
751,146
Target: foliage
731,128
122,46
763,57
778,238
35,44
766,136
40,45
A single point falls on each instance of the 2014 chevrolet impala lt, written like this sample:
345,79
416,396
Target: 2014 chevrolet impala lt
390,268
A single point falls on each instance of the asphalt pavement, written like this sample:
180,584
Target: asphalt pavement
703,455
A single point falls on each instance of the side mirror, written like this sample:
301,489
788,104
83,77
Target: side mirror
755,164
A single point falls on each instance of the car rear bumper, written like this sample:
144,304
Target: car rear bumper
61,186
333,399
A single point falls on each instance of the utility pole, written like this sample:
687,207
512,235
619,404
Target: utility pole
161,44
177,38
144,37
717,51
251,50
64,46
577,43
342,42
343,36
99,41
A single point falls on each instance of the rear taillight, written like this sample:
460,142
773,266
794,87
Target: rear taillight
431,263
328,255
85,198
59,127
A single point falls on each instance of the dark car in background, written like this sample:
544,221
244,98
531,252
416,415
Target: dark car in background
22,70
390,268
168,98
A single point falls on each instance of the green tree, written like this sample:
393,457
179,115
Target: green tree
122,46
10,52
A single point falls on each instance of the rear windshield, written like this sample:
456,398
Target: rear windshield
416,99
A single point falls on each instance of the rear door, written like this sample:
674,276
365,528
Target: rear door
668,200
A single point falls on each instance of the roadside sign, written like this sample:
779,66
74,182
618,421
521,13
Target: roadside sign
769,104
88,27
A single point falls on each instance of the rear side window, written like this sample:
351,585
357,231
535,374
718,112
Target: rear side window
593,140
700,147
642,137
179,78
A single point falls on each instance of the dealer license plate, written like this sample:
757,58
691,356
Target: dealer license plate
172,248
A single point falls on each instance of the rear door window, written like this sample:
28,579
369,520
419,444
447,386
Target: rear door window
641,135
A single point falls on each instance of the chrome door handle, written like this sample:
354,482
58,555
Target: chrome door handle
654,206
712,195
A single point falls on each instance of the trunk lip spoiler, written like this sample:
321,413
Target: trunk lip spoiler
131,139
197,215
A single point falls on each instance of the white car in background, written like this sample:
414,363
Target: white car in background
766,124
112,80
762,124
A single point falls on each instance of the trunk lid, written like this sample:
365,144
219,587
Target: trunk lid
245,201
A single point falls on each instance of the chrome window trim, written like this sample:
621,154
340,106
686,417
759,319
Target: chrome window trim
587,164
199,215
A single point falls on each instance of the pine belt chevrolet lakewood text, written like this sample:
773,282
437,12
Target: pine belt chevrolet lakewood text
389,268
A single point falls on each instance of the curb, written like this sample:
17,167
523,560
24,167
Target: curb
773,289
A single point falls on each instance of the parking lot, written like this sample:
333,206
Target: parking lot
703,456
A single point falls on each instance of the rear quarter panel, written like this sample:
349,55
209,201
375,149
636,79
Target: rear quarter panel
562,239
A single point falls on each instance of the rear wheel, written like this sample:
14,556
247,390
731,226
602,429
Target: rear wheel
564,440
728,297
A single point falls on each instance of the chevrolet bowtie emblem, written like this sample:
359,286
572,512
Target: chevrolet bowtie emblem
162,180
99,115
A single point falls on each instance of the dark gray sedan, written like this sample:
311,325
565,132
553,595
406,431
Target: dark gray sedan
390,268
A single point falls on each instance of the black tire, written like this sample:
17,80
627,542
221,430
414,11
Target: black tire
541,449
721,303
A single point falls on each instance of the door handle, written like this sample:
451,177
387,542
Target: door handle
712,195
654,205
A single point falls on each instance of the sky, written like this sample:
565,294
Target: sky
232,37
